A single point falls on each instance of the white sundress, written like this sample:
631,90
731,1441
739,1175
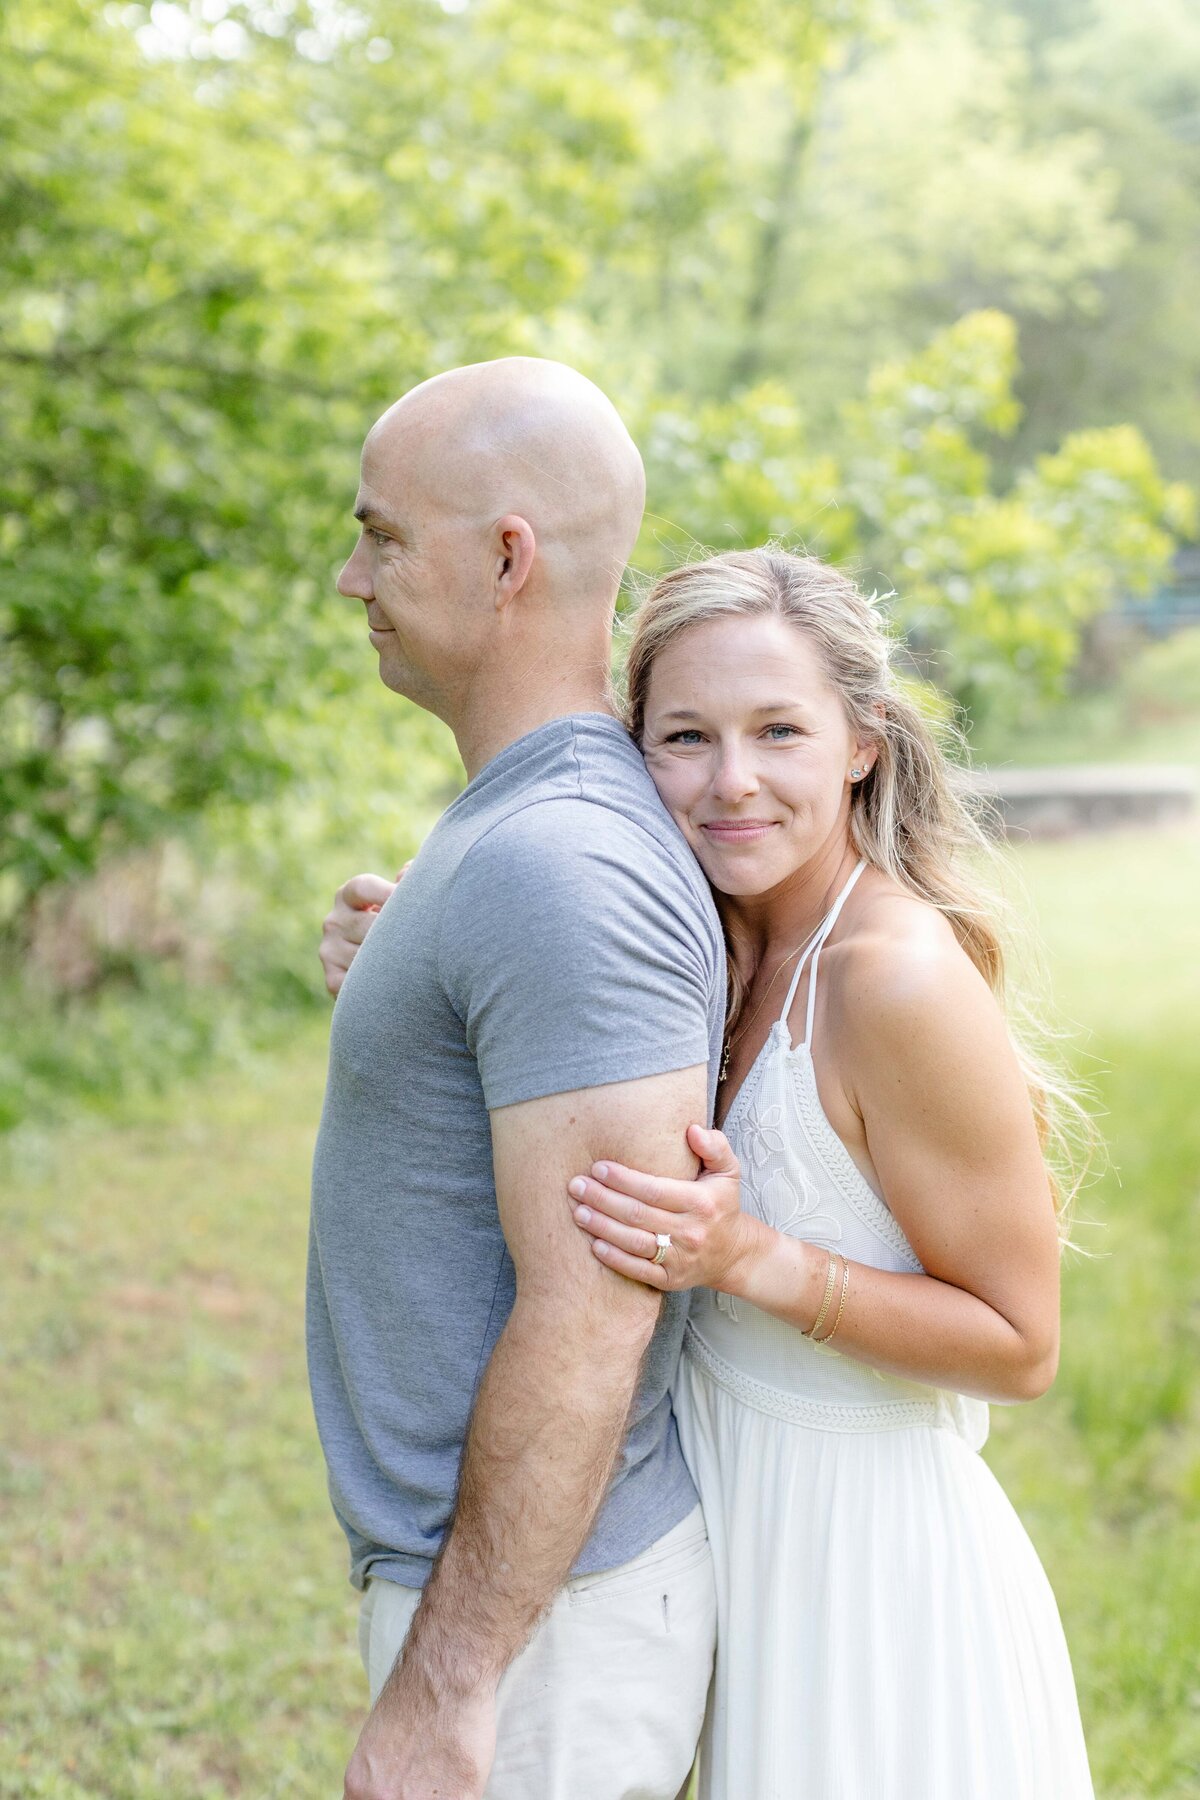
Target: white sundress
885,1629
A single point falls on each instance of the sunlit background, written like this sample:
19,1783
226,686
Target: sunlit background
912,285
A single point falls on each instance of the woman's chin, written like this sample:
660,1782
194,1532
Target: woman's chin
737,877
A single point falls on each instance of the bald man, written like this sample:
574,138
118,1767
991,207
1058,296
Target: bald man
546,986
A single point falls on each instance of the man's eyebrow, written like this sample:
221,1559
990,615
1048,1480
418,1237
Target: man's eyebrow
370,515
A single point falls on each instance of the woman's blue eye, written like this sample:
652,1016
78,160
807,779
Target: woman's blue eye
778,734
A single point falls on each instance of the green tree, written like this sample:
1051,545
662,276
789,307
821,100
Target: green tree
1130,78
235,231
994,580
227,247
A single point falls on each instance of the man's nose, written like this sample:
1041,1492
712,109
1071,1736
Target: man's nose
354,581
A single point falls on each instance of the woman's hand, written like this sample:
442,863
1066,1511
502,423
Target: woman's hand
355,906
712,1239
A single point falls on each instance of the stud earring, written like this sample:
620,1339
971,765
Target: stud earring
857,774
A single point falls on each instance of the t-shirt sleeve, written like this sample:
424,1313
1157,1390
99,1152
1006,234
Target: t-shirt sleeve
578,951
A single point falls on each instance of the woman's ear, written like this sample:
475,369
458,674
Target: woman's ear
866,749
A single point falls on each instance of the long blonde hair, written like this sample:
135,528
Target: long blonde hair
913,816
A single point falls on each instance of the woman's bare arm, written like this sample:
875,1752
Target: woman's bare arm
952,1139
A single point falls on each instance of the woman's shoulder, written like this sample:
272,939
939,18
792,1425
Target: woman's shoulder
900,965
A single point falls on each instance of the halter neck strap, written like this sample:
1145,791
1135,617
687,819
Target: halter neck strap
814,950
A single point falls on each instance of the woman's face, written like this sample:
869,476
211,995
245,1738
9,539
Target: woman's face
750,749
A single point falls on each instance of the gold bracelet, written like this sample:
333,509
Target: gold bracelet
828,1338
830,1279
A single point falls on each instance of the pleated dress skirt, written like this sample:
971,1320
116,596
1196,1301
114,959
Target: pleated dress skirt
886,1631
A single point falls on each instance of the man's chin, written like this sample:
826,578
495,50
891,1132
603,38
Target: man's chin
399,678
391,668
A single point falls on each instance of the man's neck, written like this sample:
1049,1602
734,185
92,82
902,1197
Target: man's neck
490,729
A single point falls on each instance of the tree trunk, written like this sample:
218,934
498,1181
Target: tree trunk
748,361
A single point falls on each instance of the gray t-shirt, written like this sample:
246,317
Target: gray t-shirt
554,933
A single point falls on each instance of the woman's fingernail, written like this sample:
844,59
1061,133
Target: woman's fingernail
600,1171
578,1187
583,1214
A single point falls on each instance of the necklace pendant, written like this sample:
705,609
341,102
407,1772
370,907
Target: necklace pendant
724,1069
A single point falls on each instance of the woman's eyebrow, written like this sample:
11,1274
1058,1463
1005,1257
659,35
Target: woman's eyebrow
771,706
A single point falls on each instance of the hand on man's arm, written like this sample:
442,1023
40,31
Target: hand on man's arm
547,1427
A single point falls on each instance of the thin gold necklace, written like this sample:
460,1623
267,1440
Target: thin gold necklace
739,1035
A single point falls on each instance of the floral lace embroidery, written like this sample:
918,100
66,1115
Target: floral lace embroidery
783,1197
787,1200
776,1186
761,1138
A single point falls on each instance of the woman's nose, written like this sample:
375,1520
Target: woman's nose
735,776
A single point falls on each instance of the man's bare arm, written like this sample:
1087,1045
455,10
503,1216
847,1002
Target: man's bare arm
552,1408
551,1411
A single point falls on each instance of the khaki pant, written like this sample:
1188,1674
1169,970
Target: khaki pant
606,1700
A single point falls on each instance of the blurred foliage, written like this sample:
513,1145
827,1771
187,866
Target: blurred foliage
1128,77
994,583
1164,681
795,243
1149,712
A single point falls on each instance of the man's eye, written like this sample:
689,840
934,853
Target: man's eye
377,536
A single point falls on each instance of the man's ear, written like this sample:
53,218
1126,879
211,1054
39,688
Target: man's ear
515,549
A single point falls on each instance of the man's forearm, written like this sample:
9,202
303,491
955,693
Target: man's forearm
544,1436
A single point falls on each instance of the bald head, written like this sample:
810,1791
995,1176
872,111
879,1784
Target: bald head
519,436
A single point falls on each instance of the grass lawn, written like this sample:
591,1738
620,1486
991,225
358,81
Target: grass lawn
1106,1469
174,1615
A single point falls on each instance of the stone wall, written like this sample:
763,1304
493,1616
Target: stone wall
1056,802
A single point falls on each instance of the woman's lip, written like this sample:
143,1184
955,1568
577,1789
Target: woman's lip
738,831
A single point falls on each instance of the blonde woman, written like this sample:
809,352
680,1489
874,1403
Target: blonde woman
872,1239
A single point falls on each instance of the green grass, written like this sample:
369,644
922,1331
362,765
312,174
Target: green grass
63,1055
1106,1470
174,1615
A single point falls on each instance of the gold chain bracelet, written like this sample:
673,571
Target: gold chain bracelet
828,1338
830,1281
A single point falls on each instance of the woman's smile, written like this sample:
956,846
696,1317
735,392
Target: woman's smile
738,831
